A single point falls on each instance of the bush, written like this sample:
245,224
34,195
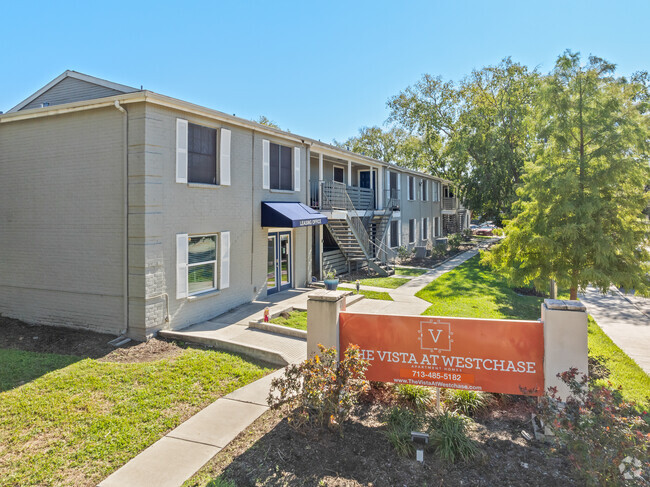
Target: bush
466,402
321,390
454,241
448,437
439,250
417,397
404,253
605,436
400,423
467,234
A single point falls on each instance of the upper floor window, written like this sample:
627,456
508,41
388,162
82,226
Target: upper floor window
281,167
436,191
201,154
411,187
425,190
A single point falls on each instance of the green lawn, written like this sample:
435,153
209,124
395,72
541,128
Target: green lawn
624,371
475,291
77,424
387,282
296,319
369,294
407,271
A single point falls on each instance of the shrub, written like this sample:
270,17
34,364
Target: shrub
400,422
601,432
454,241
321,390
404,253
417,397
448,437
466,402
467,234
439,250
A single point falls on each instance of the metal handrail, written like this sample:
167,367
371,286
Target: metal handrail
341,201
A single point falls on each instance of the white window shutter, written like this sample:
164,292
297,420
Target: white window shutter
266,164
224,269
388,235
296,168
224,158
181,150
181,265
399,184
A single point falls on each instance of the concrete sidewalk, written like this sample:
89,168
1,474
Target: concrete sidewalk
623,321
404,300
183,451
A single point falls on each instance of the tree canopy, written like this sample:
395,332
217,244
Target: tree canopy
579,218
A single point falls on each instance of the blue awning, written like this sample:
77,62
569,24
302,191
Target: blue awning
283,214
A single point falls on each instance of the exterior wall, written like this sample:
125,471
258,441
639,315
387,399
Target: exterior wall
61,220
69,90
173,208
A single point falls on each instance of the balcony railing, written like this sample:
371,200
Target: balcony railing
332,195
450,203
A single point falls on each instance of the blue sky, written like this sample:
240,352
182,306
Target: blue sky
319,69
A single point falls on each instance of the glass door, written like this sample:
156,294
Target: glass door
278,267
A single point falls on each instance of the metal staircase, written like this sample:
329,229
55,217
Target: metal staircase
351,234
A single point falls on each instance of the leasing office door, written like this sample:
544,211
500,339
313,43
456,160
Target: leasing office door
279,263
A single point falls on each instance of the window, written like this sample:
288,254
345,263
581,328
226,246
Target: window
436,226
339,174
425,228
201,154
394,233
425,190
201,264
436,191
411,187
412,230
281,167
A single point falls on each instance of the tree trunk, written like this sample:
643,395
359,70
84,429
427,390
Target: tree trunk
574,294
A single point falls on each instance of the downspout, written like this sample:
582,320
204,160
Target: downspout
125,218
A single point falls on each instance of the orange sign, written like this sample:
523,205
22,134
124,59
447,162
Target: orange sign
462,353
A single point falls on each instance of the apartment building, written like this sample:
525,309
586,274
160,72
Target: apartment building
127,212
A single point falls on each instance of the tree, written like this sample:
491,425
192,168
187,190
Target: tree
394,145
476,132
265,121
580,210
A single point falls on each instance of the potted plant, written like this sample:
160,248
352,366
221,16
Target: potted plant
331,281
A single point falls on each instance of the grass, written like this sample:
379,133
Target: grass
624,372
387,282
474,290
407,271
296,319
382,296
18,367
77,424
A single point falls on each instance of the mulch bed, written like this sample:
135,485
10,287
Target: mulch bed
271,452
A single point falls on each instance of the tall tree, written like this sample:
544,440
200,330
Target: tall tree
475,132
581,205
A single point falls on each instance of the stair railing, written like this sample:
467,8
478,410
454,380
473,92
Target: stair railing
336,197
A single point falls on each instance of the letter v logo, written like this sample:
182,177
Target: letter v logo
435,338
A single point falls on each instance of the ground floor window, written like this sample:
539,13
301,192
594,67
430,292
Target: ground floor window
412,230
394,233
436,226
425,228
201,263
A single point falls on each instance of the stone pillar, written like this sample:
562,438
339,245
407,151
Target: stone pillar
565,341
323,308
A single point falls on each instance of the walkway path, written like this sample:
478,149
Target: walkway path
404,300
624,320
178,455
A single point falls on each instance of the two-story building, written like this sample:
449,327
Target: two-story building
126,211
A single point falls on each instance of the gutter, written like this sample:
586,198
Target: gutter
125,216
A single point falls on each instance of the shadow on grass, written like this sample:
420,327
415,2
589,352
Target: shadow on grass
18,367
